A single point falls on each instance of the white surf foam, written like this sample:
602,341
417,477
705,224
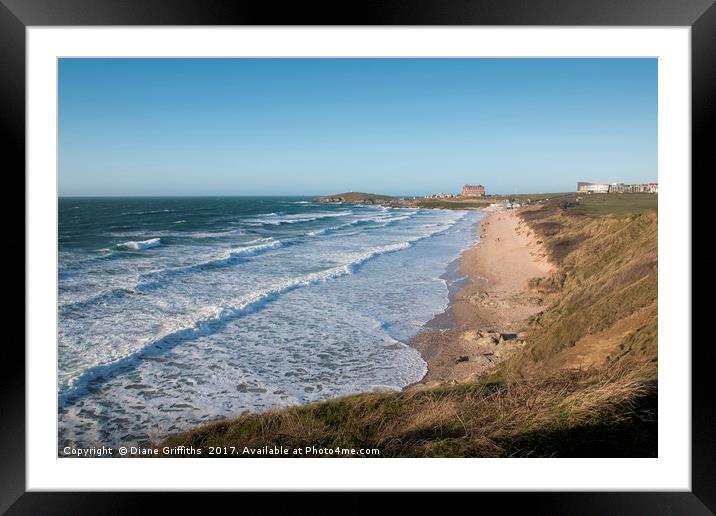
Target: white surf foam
141,244
274,219
218,316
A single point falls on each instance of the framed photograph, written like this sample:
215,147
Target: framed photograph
444,247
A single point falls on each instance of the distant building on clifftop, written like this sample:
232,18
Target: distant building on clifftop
584,187
473,190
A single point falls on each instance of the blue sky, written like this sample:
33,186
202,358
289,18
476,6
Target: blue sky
318,126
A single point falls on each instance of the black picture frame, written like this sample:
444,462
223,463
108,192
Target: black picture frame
700,15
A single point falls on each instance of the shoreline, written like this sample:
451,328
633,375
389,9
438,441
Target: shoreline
488,311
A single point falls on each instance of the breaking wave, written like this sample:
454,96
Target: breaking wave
222,315
141,244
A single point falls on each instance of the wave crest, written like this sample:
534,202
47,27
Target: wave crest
140,245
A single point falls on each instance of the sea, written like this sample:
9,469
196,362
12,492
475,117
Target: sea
177,311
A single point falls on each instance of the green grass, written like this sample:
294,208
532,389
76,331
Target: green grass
619,205
536,196
452,205
483,202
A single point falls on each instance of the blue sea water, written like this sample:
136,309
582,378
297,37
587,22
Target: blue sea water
178,311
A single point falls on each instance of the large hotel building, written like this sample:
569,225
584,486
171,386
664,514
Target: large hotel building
473,190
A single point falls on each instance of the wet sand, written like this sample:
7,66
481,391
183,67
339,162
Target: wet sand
484,322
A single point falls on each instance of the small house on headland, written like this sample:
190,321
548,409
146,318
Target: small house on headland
473,190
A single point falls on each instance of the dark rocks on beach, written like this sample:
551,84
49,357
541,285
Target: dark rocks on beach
488,356
492,337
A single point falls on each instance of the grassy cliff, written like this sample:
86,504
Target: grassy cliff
606,283
585,385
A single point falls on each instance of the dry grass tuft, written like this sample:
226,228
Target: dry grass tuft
480,420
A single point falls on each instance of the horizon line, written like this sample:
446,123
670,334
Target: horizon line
294,195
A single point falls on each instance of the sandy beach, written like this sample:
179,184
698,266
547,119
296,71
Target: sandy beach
484,322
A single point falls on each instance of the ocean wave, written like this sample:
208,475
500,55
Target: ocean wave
140,245
157,278
153,279
145,212
274,219
79,266
210,234
398,219
219,317
332,229
229,257
110,295
150,280
379,220
251,250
